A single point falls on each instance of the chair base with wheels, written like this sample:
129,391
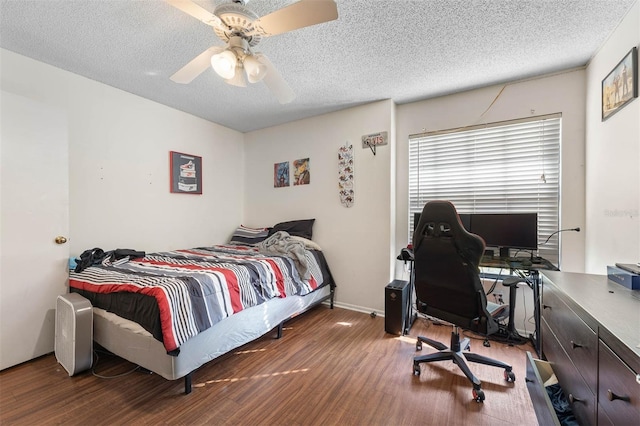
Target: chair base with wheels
458,352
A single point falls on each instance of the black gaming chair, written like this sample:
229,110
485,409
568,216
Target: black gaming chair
448,287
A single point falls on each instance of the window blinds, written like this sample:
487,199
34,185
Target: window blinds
508,167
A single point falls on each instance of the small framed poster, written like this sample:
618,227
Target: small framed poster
620,86
281,174
301,172
185,171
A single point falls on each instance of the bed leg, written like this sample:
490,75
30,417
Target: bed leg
187,384
331,303
279,332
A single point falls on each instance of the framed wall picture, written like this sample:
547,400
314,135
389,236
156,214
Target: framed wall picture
281,174
301,172
620,86
185,171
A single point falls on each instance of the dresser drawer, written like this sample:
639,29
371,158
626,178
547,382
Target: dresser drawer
579,341
603,419
618,392
581,398
538,372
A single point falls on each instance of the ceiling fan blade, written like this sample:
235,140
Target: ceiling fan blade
298,15
190,8
197,66
274,81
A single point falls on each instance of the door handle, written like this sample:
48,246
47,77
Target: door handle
60,239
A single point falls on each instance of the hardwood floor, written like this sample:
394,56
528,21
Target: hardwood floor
331,367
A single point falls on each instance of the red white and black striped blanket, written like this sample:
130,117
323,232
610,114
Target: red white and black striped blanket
196,288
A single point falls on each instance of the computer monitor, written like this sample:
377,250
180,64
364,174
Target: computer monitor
416,219
506,230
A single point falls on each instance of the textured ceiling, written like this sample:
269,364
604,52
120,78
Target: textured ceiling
377,49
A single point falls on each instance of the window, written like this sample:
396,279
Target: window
507,167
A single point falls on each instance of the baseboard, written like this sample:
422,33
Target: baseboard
356,308
369,311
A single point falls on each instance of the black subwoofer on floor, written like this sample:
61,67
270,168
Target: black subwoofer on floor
396,307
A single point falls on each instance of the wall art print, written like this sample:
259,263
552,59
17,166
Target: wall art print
185,172
621,85
281,174
345,174
301,172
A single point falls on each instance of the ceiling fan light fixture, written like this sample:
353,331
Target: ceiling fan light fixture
224,63
238,79
255,69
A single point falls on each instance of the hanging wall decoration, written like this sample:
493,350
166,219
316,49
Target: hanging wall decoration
620,86
301,172
185,171
281,174
345,174
375,139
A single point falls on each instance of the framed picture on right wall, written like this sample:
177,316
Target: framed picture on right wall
620,86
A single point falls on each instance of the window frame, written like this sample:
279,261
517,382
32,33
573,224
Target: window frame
482,168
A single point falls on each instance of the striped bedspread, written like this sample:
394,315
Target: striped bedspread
196,288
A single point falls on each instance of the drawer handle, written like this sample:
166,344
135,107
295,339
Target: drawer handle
546,307
573,399
612,396
528,380
575,345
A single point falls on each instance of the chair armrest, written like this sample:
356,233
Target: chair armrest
513,281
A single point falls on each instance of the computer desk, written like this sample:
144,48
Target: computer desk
529,271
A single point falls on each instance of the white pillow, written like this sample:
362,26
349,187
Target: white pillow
308,244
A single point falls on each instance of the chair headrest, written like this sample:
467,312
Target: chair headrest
441,212
440,219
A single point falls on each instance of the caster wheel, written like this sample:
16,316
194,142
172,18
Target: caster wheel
418,345
416,369
478,395
509,376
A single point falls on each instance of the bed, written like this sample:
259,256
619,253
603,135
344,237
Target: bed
171,312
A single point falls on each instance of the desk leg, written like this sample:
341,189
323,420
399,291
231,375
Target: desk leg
535,337
411,316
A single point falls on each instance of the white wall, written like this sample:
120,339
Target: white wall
360,248
119,148
612,158
357,241
563,93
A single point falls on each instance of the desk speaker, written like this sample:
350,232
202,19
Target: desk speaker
396,306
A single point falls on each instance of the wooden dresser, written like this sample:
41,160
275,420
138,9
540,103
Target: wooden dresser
590,332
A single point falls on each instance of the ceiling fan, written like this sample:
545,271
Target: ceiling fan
242,29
